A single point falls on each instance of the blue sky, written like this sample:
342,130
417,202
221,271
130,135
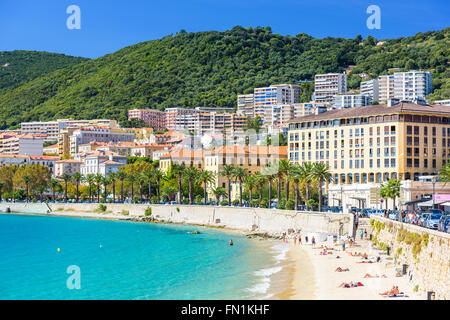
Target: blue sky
107,26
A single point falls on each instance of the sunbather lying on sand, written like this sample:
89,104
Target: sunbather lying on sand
339,269
367,275
324,247
350,285
393,292
365,261
354,254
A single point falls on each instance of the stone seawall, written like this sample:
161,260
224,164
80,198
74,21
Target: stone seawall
24,207
426,253
273,222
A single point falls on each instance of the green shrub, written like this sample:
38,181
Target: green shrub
101,208
148,211
416,288
281,204
290,205
198,199
136,199
224,203
154,199
178,209
235,202
125,212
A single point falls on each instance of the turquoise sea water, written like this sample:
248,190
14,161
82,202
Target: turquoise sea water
129,260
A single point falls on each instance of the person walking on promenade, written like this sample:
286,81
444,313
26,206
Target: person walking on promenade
361,234
313,242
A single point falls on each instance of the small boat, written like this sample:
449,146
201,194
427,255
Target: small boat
194,232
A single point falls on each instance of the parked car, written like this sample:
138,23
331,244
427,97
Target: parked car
432,221
435,211
443,224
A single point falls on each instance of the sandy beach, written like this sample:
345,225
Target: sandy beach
313,276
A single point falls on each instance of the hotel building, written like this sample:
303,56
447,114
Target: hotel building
326,86
366,146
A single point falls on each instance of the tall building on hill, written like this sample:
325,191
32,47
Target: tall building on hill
246,105
351,101
326,86
371,89
275,95
153,118
412,85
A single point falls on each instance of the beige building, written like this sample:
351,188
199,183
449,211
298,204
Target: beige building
375,143
69,166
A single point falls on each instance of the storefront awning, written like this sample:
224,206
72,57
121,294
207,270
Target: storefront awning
429,203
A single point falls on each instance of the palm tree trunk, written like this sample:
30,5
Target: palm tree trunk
121,191
90,193
229,192
307,196
240,193
114,190
132,192
287,189
205,194
140,192
27,190
179,189
251,197
98,193
279,189
260,196
320,195
158,192
149,191
77,191
190,193
269,205
54,197
65,191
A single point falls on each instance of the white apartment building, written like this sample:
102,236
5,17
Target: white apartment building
371,89
52,128
245,104
25,144
351,101
275,95
412,85
102,162
385,88
98,134
326,86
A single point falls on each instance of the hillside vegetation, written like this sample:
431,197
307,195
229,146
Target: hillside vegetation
17,67
211,68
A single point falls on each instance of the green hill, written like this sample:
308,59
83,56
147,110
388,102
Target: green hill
17,67
211,68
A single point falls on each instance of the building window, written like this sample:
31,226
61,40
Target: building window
409,163
416,163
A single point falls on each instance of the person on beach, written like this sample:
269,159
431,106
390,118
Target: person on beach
231,242
295,240
299,240
368,275
351,242
361,234
365,234
313,241
393,292
343,245
339,269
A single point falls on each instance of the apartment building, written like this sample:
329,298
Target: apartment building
186,157
98,134
155,119
69,166
25,144
342,101
385,88
326,86
103,162
22,159
177,118
275,95
371,89
245,105
52,128
253,158
412,85
369,145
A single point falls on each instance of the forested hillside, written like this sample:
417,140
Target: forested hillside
211,68
17,67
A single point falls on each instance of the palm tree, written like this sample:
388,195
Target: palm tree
141,179
261,181
105,182
305,170
90,179
149,176
54,183
98,181
41,189
219,192
77,177
384,192
444,173
132,178
191,175
206,177
394,189
26,178
113,177
296,174
250,184
66,177
321,174
158,176
178,169
228,171
284,167
240,174
1,191
121,175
